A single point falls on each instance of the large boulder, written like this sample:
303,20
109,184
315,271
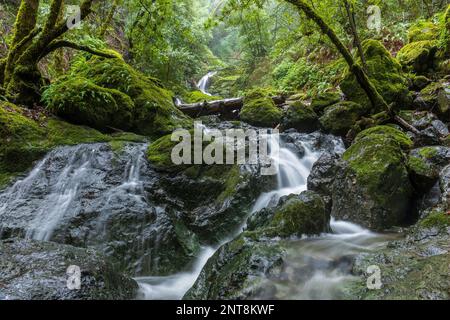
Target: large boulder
386,74
108,94
300,117
32,270
260,110
339,118
372,187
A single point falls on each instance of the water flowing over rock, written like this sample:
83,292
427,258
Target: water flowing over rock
89,196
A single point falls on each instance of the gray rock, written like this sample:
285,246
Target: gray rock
33,270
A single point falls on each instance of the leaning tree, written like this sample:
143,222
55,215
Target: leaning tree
20,79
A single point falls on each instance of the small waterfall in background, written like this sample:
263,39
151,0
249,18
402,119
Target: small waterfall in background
204,82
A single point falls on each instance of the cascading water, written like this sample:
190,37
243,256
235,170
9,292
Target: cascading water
205,81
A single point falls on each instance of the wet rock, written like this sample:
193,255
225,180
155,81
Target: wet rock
33,270
322,177
373,187
91,196
415,268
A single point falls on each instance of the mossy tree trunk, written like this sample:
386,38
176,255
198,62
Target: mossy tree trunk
108,19
21,78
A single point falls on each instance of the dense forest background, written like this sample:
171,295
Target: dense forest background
262,43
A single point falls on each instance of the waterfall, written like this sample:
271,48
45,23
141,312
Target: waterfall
292,174
205,81
54,190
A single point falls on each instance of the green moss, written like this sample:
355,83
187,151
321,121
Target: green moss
23,140
159,154
401,138
436,219
377,159
445,33
423,31
116,95
80,101
300,117
304,215
419,56
260,110
338,119
320,102
386,74
233,177
198,96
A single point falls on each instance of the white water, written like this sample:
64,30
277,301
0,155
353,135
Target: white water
205,81
292,173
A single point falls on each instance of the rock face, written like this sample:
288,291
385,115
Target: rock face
385,73
92,196
300,117
238,269
372,187
107,94
38,271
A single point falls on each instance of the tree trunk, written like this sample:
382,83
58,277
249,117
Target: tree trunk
351,18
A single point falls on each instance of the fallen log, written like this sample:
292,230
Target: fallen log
228,108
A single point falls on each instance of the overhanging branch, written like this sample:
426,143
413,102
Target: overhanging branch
57,44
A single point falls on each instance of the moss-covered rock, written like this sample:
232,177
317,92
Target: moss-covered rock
24,140
237,270
321,101
425,164
373,188
386,74
423,31
338,119
260,110
198,96
300,117
300,215
109,93
436,97
419,56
